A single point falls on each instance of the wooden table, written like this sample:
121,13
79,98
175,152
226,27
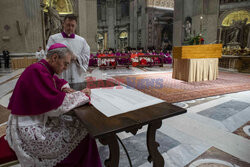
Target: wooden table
105,128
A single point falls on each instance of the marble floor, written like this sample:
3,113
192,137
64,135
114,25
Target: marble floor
213,133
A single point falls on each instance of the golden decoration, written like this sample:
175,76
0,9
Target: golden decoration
161,3
236,16
99,36
123,35
62,6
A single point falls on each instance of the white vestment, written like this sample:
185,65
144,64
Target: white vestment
48,138
77,70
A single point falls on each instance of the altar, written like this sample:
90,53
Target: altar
196,62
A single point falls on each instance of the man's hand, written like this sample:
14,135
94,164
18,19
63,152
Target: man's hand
68,90
87,91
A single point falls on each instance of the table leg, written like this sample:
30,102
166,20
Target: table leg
154,154
114,151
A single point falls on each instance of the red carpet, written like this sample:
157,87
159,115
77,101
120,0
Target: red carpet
171,90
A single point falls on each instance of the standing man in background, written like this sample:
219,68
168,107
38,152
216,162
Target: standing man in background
6,57
40,54
77,69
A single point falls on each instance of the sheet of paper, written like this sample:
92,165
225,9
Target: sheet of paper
118,100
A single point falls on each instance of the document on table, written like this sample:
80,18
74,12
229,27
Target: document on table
117,100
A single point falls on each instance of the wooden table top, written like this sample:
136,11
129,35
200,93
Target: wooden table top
98,124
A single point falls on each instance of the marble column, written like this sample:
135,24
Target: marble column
111,21
219,41
248,41
178,23
132,18
87,21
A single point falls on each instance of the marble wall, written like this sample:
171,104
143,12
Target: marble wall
208,10
147,21
138,23
112,20
20,26
87,20
143,23
21,29
224,31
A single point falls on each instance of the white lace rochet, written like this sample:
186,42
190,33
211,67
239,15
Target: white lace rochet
46,139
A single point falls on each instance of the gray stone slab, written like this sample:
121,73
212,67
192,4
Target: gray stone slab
137,148
9,74
225,110
7,87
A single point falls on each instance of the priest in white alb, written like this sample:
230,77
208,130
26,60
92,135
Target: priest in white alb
77,69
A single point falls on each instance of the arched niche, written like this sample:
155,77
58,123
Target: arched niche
99,36
100,41
234,28
123,34
123,39
239,15
62,6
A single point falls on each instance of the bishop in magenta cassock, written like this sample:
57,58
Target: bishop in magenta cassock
40,129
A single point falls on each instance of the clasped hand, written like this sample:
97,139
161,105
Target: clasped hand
68,90
87,91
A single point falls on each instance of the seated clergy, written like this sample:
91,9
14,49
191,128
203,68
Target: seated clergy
101,62
143,61
134,58
111,61
40,128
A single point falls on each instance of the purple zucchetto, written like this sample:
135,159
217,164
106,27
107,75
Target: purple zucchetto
57,45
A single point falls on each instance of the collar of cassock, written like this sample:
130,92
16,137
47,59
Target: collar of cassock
47,66
67,36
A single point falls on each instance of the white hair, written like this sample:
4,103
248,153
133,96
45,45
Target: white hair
61,52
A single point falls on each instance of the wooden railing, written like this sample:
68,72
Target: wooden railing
22,62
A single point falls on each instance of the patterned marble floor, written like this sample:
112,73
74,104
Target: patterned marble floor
213,132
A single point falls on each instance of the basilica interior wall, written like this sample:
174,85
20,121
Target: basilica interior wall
91,24
177,33
21,27
210,20
143,30
204,18
178,30
133,23
111,20
87,22
226,32
144,24
138,21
